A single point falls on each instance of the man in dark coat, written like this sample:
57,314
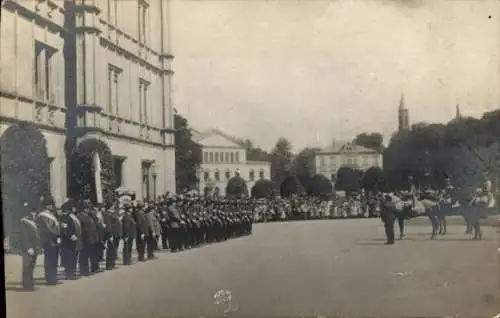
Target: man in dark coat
99,246
150,234
388,217
89,238
129,234
175,226
71,242
142,232
31,248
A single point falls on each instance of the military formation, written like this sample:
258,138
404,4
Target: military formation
86,238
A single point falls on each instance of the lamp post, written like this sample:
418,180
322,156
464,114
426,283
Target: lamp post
154,173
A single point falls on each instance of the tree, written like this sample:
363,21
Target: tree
303,165
319,185
348,179
264,189
253,153
291,186
371,141
236,187
374,180
188,155
281,160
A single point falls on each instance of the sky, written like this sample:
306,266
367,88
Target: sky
316,70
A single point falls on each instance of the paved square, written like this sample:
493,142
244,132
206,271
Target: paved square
291,269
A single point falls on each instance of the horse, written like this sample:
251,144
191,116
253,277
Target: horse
408,206
477,208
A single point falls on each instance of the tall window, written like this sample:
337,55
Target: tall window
43,71
142,9
232,157
221,156
146,180
143,101
237,157
118,171
226,157
113,89
205,157
216,157
251,175
211,157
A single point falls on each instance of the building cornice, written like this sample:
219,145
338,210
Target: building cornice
82,131
87,29
132,56
90,8
82,108
13,6
28,99
42,126
167,131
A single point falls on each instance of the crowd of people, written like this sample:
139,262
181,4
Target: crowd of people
82,237
86,238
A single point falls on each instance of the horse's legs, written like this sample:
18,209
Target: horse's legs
401,223
442,224
434,224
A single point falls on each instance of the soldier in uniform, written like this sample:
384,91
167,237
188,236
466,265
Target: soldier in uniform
142,232
129,227
50,232
71,242
164,225
388,217
174,218
96,254
31,248
151,231
89,238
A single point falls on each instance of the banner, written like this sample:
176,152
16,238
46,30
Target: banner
97,177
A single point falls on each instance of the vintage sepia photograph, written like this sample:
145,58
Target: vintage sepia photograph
250,158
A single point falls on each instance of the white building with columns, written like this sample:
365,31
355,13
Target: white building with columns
80,70
222,158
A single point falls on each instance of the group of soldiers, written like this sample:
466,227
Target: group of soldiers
80,236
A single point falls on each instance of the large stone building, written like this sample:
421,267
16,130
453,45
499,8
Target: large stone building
77,74
222,159
330,159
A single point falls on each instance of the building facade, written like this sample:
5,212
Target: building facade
74,71
329,160
222,159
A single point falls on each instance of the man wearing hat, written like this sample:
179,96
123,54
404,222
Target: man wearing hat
89,238
129,233
50,232
71,241
31,248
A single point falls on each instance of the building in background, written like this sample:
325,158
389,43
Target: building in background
75,75
345,154
222,158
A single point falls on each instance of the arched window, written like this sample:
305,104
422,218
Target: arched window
228,175
251,175
261,174
232,157
217,175
206,175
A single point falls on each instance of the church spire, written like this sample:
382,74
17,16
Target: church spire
402,102
403,115
458,114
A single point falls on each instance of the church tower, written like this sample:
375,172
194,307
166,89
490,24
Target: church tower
403,115
458,114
